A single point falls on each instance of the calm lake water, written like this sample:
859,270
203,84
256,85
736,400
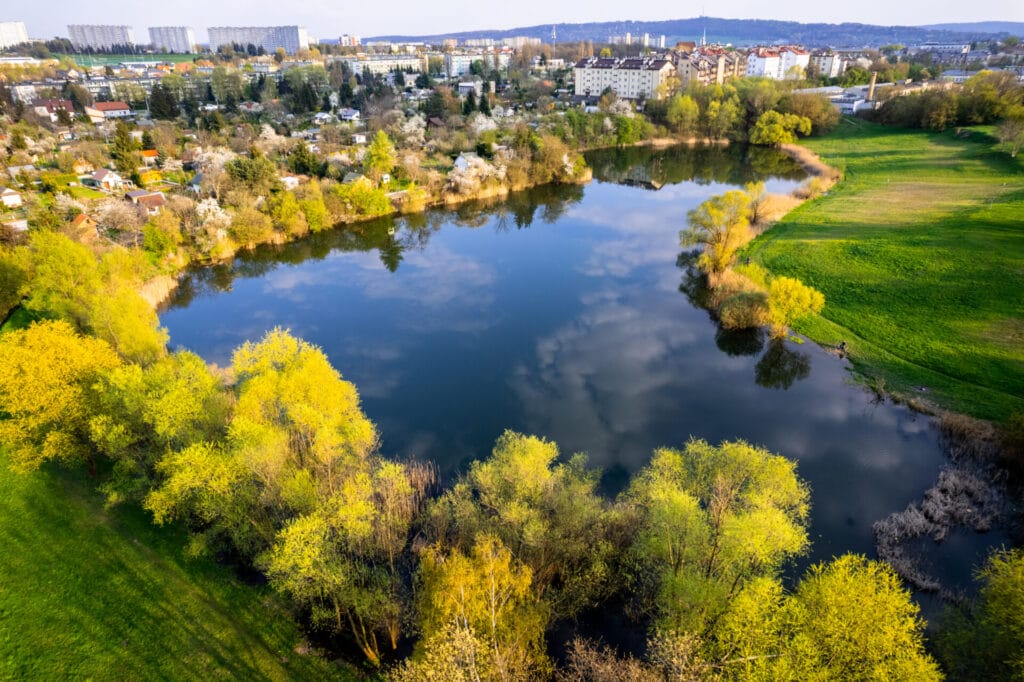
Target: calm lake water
564,312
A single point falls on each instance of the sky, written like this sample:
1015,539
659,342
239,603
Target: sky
331,18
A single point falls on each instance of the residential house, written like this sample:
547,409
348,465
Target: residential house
349,115
49,108
105,111
152,202
106,179
322,118
351,177
465,160
10,198
149,156
83,228
359,138
17,171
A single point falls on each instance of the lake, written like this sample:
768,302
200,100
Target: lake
566,312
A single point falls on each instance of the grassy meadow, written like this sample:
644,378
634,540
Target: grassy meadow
919,251
91,593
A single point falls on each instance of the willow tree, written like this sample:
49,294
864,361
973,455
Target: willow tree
347,560
48,374
720,225
789,300
710,519
478,610
547,513
848,619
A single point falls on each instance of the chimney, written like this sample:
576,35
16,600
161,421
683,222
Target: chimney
871,87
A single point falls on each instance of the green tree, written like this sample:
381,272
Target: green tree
303,160
48,374
788,300
256,172
124,150
849,619
708,520
548,514
984,638
1011,130
143,413
249,226
313,206
345,559
469,106
721,226
286,214
482,601
14,279
773,128
683,114
380,156
163,104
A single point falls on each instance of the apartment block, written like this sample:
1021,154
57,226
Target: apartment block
177,39
100,37
12,33
630,78
291,38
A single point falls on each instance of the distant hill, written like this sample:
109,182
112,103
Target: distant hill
1014,28
736,31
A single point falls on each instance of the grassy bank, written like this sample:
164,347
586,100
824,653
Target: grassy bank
88,593
919,253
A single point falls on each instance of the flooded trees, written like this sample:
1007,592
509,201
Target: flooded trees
721,225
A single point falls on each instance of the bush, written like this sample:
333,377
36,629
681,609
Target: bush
812,189
744,310
249,226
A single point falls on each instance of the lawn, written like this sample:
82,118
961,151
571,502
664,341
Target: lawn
115,59
90,593
919,251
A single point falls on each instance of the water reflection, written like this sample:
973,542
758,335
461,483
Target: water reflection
781,365
568,312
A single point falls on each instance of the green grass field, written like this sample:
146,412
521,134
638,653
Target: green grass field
919,251
115,59
89,593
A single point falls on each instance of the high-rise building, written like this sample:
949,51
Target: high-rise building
291,38
12,33
179,39
100,37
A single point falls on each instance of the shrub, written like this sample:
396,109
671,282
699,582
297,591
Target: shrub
744,310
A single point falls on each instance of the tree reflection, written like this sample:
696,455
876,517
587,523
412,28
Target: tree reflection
654,168
390,236
780,366
737,342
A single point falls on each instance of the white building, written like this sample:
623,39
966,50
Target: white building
382,64
630,78
291,38
100,37
783,63
178,39
460,64
12,33
829,64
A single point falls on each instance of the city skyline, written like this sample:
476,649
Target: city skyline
327,21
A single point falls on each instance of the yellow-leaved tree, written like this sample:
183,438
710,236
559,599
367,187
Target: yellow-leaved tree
788,300
48,374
